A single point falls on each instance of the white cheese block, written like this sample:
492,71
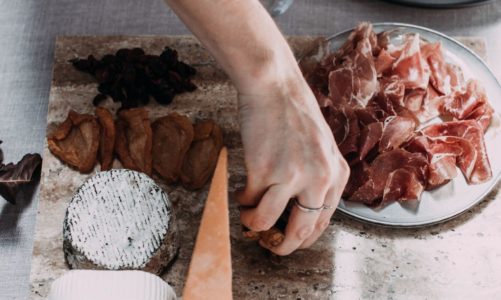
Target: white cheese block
110,285
120,220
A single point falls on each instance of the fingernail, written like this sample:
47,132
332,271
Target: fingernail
305,232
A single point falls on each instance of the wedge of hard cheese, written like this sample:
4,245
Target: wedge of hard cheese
209,276
110,285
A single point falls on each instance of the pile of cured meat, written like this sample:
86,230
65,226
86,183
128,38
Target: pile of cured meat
382,102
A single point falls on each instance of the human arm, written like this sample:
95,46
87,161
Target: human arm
289,149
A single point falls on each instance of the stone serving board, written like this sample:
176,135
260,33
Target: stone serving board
352,259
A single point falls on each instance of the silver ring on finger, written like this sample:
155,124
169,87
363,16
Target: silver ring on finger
310,209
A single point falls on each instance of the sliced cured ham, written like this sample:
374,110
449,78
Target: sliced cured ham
462,103
402,185
410,67
341,85
364,71
383,62
471,131
439,75
358,175
366,115
457,81
349,145
369,138
432,103
413,100
483,115
380,170
441,156
397,130
379,98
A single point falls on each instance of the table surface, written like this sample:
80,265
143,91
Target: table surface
29,27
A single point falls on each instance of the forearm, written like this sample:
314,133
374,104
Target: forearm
243,39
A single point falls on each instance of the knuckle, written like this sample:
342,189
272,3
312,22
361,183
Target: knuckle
322,225
324,176
344,169
304,232
291,175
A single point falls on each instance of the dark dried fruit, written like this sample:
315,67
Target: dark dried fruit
130,76
98,99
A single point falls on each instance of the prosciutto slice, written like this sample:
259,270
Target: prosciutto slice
439,75
341,85
432,103
369,138
402,185
344,125
397,130
442,157
462,103
483,115
377,183
471,131
410,67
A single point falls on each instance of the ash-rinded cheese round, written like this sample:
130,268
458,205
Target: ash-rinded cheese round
120,220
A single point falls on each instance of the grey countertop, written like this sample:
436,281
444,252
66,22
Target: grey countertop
28,29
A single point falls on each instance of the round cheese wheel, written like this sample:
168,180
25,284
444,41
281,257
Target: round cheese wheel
120,220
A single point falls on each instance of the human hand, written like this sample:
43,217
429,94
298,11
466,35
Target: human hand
289,152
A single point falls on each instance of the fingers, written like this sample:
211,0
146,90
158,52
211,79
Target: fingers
270,207
301,225
248,196
252,193
331,199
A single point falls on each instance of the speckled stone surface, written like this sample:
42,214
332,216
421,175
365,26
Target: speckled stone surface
460,259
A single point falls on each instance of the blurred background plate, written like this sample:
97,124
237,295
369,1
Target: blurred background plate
440,3
457,196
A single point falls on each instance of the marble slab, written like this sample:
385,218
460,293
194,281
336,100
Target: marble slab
458,259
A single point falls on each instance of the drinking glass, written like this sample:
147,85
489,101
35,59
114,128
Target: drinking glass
277,7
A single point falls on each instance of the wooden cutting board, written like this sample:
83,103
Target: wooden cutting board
307,274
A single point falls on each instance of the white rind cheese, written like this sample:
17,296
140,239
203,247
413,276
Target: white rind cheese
110,285
120,220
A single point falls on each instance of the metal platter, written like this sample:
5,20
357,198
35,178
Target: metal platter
457,196
440,3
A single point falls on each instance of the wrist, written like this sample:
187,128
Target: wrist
274,80
267,71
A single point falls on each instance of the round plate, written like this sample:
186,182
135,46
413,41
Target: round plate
440,3
457,196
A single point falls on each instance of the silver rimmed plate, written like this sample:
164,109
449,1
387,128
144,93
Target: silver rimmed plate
440,3
457,196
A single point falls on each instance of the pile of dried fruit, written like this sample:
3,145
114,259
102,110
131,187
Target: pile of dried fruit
14,176
172,146
130,76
